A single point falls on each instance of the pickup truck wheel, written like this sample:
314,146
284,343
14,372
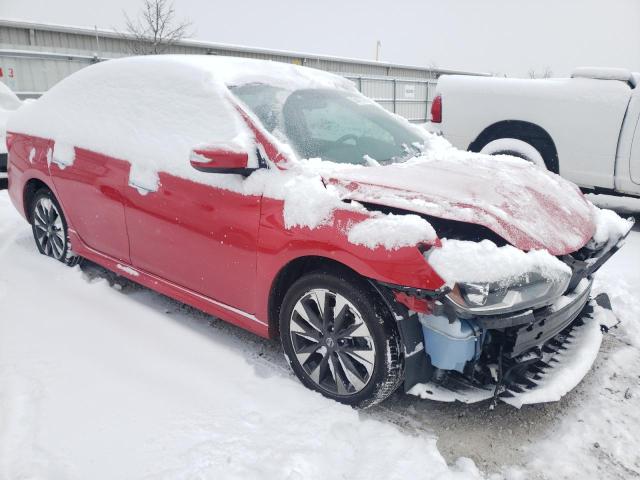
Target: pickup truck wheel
49,228
337,342
515,147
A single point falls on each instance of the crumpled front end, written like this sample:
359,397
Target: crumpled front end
531,340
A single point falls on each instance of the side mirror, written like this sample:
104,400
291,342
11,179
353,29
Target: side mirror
221,159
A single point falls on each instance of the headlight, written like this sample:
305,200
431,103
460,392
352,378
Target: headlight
493,298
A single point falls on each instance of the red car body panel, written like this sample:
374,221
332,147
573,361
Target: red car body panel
278,246
21,169
200,237
91,194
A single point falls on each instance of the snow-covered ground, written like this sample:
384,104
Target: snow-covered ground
100,378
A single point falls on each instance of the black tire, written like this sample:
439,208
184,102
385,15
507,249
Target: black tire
49,227
525,132
351,343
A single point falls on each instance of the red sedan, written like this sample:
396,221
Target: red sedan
282,200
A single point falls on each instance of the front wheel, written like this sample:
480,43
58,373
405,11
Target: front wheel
50,228
338,340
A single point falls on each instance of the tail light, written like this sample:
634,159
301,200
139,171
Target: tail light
436,109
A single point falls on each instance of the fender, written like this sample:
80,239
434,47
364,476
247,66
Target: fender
279,246
25,168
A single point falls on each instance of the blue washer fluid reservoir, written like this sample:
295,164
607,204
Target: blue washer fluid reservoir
450,344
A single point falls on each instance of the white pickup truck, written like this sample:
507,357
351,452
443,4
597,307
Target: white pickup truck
584,127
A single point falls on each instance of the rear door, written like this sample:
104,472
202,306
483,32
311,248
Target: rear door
89,186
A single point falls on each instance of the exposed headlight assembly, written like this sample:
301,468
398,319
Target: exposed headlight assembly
505,296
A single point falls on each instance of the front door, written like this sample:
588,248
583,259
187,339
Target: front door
197,236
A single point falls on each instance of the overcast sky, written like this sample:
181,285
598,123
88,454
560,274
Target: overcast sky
499,36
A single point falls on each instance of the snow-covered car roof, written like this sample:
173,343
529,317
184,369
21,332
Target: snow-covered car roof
238,71
157,108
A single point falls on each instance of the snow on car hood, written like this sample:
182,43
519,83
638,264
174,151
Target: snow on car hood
529,207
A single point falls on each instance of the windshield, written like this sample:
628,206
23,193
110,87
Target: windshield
334,125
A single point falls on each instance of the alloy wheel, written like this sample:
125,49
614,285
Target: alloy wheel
49,229
331,342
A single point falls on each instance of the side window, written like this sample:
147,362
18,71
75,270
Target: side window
265,101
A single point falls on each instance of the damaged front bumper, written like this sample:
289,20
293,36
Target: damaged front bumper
543,373
532,356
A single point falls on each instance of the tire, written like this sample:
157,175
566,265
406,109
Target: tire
516,148
524,138
49,228
350,354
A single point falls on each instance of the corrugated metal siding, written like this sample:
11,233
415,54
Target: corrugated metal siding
404,90
36,75
14,36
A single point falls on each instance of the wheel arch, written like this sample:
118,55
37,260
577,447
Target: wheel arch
32,186
528,132
294,270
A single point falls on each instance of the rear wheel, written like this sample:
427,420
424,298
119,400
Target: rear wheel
49,228
338,341
515,147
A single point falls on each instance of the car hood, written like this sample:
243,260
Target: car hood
529,207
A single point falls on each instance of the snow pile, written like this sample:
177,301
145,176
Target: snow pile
464,261
307,203
97,383
609,226
392,231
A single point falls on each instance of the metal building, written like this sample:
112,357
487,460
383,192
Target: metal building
34,56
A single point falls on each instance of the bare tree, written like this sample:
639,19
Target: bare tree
155,29
547,73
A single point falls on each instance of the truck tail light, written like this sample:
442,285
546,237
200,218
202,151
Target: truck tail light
436,109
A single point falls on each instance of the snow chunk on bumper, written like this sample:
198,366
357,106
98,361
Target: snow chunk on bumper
392,231
465,261
610,227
